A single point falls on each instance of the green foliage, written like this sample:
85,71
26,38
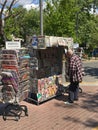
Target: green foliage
23,25
58,19
71,18
68,18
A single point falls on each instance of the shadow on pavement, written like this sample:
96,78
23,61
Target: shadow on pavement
91,123
62,97
90,102
90,71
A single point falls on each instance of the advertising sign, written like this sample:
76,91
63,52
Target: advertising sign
13,45
34,41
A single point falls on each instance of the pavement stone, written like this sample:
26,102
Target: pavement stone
55,115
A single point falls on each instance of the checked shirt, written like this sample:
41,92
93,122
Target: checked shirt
75,69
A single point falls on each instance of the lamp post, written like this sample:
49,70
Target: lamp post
77,25
41,17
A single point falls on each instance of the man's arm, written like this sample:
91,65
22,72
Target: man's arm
79,69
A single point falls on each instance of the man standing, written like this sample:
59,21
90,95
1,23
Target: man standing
75,73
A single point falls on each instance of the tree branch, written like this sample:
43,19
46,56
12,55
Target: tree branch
13,15
2,9
12,3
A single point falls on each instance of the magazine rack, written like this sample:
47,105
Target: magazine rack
9,94
15,80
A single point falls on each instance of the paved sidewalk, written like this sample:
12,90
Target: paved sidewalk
95,83
84,83
55,115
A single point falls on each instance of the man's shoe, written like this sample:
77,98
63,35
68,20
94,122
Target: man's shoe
76,99
68,102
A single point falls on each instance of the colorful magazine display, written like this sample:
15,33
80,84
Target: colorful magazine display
15,74
45,66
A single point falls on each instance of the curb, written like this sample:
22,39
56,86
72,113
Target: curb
84,84
89,83
91,60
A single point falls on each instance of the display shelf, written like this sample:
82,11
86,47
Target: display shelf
15,73
45,69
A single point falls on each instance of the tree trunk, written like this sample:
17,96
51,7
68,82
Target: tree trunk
2,35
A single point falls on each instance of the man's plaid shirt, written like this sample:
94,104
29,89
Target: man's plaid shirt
75,69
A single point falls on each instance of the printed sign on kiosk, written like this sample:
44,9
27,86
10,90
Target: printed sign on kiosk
13,45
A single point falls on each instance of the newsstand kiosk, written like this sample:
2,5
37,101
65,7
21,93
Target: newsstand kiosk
47,66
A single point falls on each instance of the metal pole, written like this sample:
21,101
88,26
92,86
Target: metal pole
41,17
77,25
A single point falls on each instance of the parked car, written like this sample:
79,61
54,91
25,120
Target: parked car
95,52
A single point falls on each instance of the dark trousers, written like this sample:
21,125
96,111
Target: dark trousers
73,91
